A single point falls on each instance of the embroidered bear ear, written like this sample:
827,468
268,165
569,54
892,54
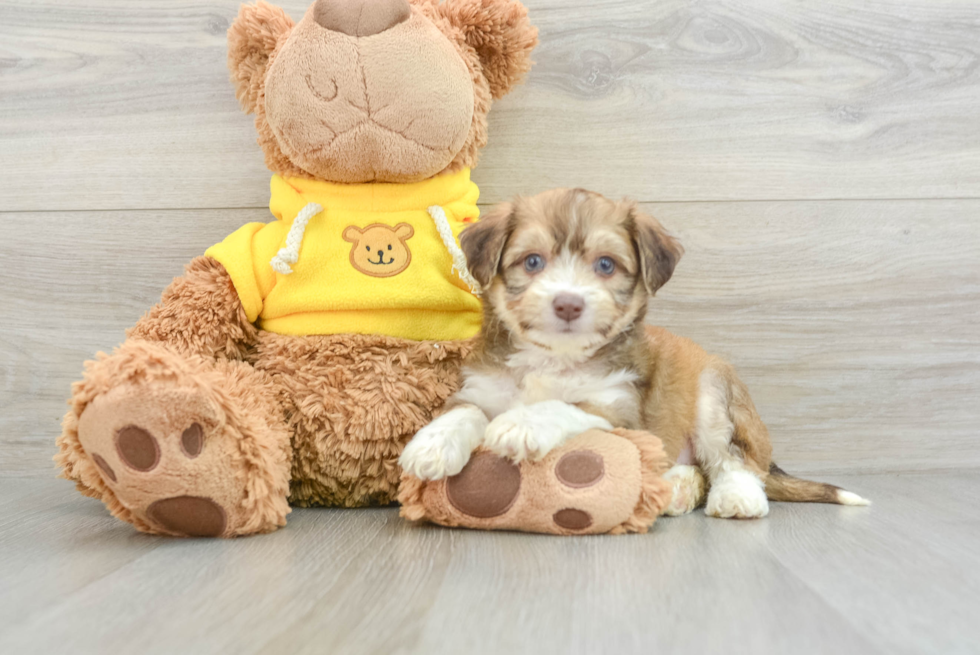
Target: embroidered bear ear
501,34
404,231
352,233
252,38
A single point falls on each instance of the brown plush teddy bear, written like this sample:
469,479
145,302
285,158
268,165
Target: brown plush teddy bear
293,361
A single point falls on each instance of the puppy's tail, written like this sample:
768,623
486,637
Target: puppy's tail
780,485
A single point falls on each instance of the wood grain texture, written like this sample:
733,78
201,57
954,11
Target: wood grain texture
853,323
111,104
897,577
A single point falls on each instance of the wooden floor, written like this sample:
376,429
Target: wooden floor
902,576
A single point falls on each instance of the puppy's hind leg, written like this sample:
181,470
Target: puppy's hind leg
732,445
688,485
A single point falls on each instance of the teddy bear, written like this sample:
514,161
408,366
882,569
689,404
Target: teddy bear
292,362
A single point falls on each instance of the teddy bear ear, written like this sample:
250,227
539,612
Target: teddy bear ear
251,39
501,34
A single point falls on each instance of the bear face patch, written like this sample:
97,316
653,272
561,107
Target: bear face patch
380,250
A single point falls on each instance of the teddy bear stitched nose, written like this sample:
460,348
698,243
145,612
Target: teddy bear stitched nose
360,17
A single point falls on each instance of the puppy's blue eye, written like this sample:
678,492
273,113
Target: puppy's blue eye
605,266
533,263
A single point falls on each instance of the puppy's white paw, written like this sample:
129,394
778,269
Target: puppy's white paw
737,494
688,485
513,438
442,448
532,431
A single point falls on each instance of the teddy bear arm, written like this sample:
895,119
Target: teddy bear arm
199,313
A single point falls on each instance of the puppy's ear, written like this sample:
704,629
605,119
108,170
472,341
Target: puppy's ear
501,34
252,37
483,242
659,252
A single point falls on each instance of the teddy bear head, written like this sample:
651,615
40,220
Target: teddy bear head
376,90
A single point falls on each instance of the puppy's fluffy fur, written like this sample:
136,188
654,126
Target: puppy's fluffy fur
567,277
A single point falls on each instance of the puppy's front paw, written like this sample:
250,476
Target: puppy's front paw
516,440
442,448
431,455
531,432
738,495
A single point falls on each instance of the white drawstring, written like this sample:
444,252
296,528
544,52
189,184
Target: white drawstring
289,253
459,258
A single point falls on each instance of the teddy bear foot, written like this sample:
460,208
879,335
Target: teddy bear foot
599,482
172,461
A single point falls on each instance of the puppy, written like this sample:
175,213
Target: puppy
567,276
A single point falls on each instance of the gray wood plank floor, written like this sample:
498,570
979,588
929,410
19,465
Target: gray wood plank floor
902,576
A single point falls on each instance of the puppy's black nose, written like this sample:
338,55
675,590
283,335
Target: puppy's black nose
568,306
381,254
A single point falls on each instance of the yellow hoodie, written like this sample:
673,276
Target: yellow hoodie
362,258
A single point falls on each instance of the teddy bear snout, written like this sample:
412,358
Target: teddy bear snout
360,17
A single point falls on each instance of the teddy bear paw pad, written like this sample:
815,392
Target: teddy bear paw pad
137,448
580,468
